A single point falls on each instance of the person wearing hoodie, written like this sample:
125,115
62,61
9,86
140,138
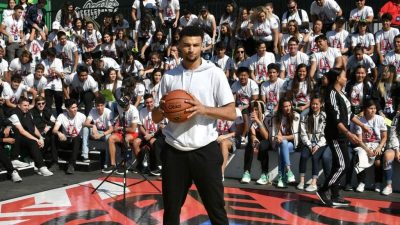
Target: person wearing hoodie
190,150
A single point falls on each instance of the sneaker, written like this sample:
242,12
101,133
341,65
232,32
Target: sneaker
311,188
360,187
43,171
15,177
387,190
156,172
243,141
263,179
70,169
281,184
85,160
120,170
348,187
18,164
246,178
340,202
300,186
108,169
378,187
290,177
324,198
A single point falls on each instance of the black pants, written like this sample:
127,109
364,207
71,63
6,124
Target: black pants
262,155
5,160
50,143
201,166
32,148
75,143
58,98
340,162
86,97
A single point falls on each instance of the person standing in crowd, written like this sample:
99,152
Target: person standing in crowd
292,59
272,90
187,19
384,37
67,51
71,123
338,117
259,62
35,16
12,27
169,13
361,13
391,57
393,8
187,159
294,13
326,11
22,65
207,22
139,11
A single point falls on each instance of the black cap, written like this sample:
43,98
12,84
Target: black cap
340,19
203,8
123,101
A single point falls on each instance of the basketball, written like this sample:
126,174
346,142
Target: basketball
174,106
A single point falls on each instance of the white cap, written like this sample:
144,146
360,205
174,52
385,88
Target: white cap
56,25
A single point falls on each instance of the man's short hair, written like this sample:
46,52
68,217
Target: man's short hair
192,31
60,34
86,56
23,99
273,66
51,52
387,16
243,69
16,78
148,95
294,39
82,68
100,99
39,67
18,7
40,98
69,102
321,37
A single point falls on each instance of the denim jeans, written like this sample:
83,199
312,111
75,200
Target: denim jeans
285,148
85,143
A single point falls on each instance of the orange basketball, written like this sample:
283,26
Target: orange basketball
174,106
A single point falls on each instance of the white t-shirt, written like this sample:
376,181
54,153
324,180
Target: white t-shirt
71,127
102,122
392,58
259,65
36,47
325,60
18,68
136,67
146,120
356,94
131,116
224,63
312,45
295,16
14,27
66,53
13,95
361,14
54,84
301,97
38,85
263,31
366,61
110,63
210,86
327,12
89,84
3,68
168,8
244,93
226,126
364,41
377,124
149,4
109,49
110,86
184,23
338,40
91,40
289,63
385,39
273,91
285,40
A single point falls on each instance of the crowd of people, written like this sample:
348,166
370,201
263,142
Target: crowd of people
81,81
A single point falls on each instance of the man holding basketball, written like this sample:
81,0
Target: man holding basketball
190,152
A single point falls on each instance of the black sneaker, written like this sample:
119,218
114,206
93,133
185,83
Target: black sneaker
156,172
70,169
108,169
120,170
340,202
324,198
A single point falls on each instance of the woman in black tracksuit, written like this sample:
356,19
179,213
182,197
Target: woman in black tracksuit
338,117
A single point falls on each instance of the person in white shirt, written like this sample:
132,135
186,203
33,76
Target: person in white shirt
83,87
36,81
12,28
92,38
294,13
53,71
125,132
272,90
325,59
71,123
362,12
339,37
310,43
359,58
223,61
187,19
326,11
137,14
292,59
169,13
363,38
12,92
67,51
35,45
187,158
207,22
4,73
22,65
259,63
98,126
384,37
393,57
106,63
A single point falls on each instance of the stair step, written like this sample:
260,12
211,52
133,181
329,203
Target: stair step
93,165
23,172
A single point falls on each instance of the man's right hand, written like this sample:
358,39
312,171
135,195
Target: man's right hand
9,140
61,136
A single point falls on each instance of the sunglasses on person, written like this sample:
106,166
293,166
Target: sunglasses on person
41,103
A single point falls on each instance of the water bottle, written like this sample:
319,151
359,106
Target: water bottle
7,149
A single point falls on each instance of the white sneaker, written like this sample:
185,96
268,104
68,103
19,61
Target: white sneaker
18,164
360,187
263,179
378,187
311,188
45,172
246,177
300,186
387,190
15,177
281,183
